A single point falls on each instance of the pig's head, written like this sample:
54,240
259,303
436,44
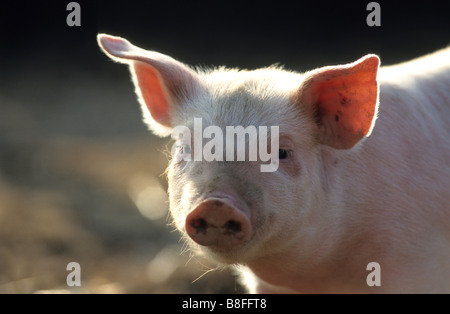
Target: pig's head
231,210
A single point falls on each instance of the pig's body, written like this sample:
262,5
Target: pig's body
340,198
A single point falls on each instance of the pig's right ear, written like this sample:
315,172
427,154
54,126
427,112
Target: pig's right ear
161,82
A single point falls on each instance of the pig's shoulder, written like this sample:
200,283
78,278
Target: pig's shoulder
434,66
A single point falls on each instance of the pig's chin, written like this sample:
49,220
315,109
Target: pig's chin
234,255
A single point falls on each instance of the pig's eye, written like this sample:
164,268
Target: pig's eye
283,154
186,149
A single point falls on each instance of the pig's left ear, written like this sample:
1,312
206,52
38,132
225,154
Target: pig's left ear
161,82
343,100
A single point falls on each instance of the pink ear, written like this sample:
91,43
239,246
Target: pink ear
154,93
161,81
344,100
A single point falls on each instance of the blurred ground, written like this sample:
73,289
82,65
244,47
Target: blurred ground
78,184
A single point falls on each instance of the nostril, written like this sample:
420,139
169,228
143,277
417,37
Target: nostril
200,225
232,227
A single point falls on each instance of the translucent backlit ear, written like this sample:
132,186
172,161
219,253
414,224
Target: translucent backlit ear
343,100
161,82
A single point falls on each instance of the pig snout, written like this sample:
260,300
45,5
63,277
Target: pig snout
217,223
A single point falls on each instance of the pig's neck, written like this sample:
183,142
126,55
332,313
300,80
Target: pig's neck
344,271
335,259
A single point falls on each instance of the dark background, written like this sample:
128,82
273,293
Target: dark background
246,33
72,144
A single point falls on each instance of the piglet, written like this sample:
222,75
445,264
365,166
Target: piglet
360,176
